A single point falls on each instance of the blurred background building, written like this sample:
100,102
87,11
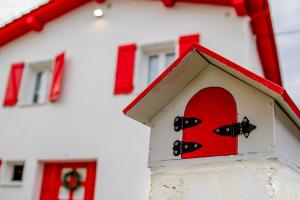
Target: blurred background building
69,68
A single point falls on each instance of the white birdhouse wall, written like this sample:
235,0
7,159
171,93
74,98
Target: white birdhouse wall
250,103
287,138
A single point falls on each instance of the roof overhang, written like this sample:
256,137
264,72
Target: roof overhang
187,67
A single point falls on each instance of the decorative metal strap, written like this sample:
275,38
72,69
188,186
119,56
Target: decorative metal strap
180,147
236,129
185,122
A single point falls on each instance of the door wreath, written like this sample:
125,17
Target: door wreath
71,180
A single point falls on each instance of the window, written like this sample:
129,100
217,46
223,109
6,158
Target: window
154,59
153,67
12,173
37,87
35,83
170,57
17,174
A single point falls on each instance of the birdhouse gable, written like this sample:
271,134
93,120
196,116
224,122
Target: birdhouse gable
204,107
218,103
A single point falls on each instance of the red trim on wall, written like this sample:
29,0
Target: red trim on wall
258,10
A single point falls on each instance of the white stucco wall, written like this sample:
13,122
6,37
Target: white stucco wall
87,122
243,180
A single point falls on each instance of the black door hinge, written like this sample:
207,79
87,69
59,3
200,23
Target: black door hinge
180,147
185,122
236,129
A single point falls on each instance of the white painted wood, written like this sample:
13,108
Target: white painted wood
250,102
215,159
287,138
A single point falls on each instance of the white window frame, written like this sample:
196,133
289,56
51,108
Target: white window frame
29,80
145,51
7,170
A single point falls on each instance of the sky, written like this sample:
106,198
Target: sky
286,26
10,9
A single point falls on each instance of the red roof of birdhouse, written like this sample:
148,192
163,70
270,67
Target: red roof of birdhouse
162,90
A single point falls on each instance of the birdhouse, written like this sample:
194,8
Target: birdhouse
210,119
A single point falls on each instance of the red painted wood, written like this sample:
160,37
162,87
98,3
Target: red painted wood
57,77
169,3
48,189
262,28
90,181
52,179
44,13
291,103
186,41
34,23
13,85
240,7
125,69
214,2
215,107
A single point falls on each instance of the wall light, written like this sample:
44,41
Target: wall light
98,12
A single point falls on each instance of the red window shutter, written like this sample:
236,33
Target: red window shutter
13,85
186,41
125,69
57,77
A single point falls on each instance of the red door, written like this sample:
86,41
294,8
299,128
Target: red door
68,181
215,107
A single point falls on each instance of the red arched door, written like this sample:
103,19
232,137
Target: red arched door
215,107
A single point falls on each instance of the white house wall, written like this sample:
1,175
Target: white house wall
87,122
258,107
287,138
